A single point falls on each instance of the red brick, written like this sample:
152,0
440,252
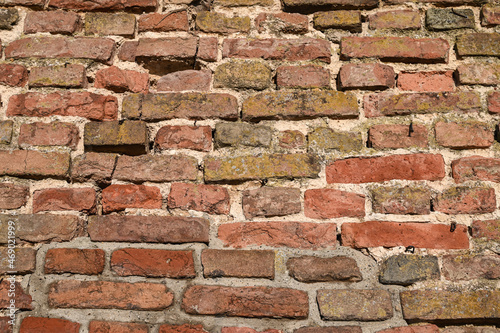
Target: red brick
190,79
30,163
23,264
13,196
464,135
466,200
75,261
174,48
208,49
486,229
271,201
397,136
173,21
98,49
184,328
366,76
476,168
79,199
128,50
391,234
468,266
121,197
30,3
490,14
316,269
65,76
148,229
278,49
48,325
329,329
55,22
105,5
478,44
330,203
119,80
156,168
380,169
116,327
79,104
309,76
206,198
49,134
292,139
395,48
434,81
153,263
494,102
297,5
238,263
282,23
404,19
429,328
387,104
93,166
302,235
13,75
21,298
479,73
401,200
104,24
184,137
109,295
246,302
246,330
5,325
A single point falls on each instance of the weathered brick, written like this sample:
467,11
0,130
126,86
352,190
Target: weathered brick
380,169
465,200
246,330
8,18
66,76
49,134
173,21
479,73
93,166
42,228
447,19
476,168
246,302
302,235
291,139
316,269
98,49
148,229
184,328
398,136
156,168
391,234
6,131
278,49
239,3
120,197
489,230
404,269
13,75
450,306
34,164
153,263
464,135
363,305
109,295
395,48
401,200
329,329
206,198
330,203
154,107
307,77
116,327
282,23
300,5
6,325
238,263
80,104
404,19
494,102
75,261
469,266
190,79
470,329
387,104
300,105
21,298
271,201
366,76
208,49
184,137
127,137
79,199
173,48
128,50
420,328
219,169
119,80
339,19
242,75
478,44
105,5
104,24
207,21
434,81
242,134
48,325
55,22
490,14
325,139
25,260
13,196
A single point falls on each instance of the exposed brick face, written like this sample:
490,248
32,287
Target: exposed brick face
48,325
207,198
13,196
329,203
317,269
184,137
116,327
238,263
121,197
79,199
76,261
49,134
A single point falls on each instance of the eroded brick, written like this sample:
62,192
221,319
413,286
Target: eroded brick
60,199
48,325
401,200
317,269
66,76
326,139
330,203
242,134
238,263
308,76
24,263
271,201
128,137
469,266
120,197
366,76
405,19
479,44
49,134
184,137
34,164
434,81
190,79
207,21
156,168
405,269
104,24
55,22
13,75
398,136
119,80
465,200
173,21
206,198
242,75
339,19
75,261
13,196
116,327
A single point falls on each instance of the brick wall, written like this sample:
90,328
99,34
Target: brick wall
242,166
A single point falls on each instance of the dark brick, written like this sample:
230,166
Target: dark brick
316,269
238,263
128,137
447,19
407,269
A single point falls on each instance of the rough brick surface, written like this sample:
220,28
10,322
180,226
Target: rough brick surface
406,269
116,327
479,44
467,267
447,19
404,19
24,263
486,229
426,81
494,102
67,76
366,76
398,136
463,135
117,137
55,22
48,325
22,299
465,200
49,134
13,75
490,14
146,5
158,168
401,200
271,201
79,199
30,163
282,22
75,261
177,20
242,75
13,196
184,328
198,80
219,23
121,197
329,329
206,198
93,166
6,131
317,269
119,80
242,134
324,139
187,137
486,74
103,24
340,19
330,203
238,263
308,76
